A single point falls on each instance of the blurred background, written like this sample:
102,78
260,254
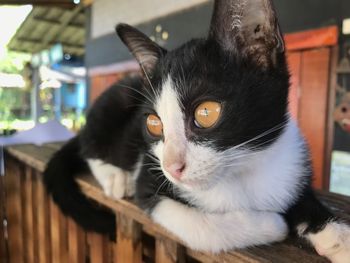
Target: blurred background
57,56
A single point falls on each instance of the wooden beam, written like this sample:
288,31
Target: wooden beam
56,22
315,38
62,3
39,42
66,18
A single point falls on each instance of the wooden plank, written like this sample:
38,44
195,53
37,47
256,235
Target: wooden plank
27,208
168,251
99,248
313,107
315,38
43,220
274,253
129,246
31,155
330,117
3,242
14,209
130,210
36,244
76,242
59,240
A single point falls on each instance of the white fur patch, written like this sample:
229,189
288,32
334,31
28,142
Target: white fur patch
266,180
116,183
219,232
333,242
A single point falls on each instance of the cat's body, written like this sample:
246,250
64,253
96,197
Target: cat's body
211,151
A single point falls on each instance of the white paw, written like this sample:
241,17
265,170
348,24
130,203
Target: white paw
333,242
118,187
130,186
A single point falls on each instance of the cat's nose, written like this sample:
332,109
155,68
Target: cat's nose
175,169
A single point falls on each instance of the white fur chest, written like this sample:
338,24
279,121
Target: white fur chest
270,181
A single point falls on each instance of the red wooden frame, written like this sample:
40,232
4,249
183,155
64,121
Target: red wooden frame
323,37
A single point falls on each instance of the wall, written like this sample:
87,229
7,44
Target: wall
187,22
107,13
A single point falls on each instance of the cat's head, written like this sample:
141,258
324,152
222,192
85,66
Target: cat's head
212,102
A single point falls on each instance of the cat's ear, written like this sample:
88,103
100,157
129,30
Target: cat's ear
248,27
146,51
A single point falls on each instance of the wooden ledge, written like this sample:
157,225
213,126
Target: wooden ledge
291,250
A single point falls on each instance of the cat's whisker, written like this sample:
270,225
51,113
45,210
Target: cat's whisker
148,80
265,133
154,158
161,185
139,92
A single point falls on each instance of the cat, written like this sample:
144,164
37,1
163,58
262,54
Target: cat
204,141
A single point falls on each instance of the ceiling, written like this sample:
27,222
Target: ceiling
57,3
46,26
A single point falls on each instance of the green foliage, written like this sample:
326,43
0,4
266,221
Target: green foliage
13,62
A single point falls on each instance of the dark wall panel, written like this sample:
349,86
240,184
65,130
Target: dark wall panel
294,15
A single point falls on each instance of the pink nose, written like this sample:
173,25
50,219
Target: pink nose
175,169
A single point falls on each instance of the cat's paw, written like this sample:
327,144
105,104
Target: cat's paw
333,242
118,186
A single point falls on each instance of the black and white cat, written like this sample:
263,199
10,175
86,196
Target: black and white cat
204,142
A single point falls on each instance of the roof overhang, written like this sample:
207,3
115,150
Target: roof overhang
46,26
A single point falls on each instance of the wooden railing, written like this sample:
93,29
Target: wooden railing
36,231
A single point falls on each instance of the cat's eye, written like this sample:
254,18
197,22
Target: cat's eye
207,114
154,125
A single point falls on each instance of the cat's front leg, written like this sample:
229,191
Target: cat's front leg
219,232
333,242
116,182
311,220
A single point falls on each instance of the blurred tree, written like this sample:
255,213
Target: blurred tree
13,62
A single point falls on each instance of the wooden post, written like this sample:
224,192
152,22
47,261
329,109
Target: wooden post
14,210
76,242
99,248
168,251
129,245
59,239
43,220
27,208
3,250
36,244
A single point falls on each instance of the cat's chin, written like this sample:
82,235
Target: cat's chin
190,184
196,184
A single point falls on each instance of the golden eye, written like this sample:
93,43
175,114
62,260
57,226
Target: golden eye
154,125
207,114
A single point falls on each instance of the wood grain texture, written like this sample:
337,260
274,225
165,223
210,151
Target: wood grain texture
27,208
76,243
43,220
3,241
333,77
14,214
169,251
59,235
132,222
314,106
294,62
314,38
129,246
99,248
